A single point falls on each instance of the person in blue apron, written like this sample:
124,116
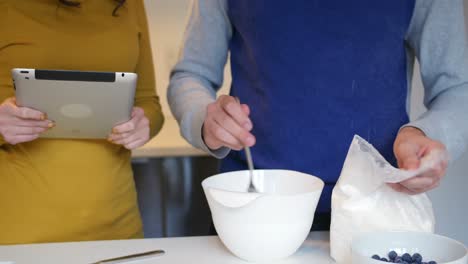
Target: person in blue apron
312,74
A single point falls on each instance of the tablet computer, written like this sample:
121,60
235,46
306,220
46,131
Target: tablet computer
82,104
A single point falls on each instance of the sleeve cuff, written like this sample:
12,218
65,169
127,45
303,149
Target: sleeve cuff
424,124
417,126
196,138
439,129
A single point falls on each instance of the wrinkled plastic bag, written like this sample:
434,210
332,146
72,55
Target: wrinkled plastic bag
363,202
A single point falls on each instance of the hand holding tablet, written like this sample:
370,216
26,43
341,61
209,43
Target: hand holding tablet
134,133
21,124
83,105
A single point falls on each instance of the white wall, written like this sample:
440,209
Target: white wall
167,19
450,200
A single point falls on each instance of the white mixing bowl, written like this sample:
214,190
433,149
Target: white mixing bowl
438,248
266,226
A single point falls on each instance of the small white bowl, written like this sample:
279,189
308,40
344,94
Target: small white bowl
261,227
434,247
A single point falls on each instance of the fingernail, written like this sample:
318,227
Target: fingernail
114,131
51,125
248,125
43,117
250,140
110,139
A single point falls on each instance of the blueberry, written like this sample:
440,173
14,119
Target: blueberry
417,258
407,257
376,257
432,262
384,259
392,255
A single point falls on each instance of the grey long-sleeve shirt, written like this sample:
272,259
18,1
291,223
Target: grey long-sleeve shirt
436,37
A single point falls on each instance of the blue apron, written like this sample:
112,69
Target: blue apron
314,73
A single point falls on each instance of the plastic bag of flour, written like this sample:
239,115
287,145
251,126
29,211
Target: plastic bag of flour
363,202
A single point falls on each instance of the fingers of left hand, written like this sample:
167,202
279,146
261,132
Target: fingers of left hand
134,141
134,133
400,188
117,137
141,133
137,117
426,181
135,144
129,140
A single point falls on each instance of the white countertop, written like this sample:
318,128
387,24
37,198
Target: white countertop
168,143
197,250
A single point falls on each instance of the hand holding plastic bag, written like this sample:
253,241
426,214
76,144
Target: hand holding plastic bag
362,201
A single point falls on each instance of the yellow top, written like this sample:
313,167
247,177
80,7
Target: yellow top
71,190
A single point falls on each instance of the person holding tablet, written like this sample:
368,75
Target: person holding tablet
54,190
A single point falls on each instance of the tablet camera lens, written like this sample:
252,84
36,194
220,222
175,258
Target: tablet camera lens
123,74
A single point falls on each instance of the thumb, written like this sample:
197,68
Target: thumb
407,155
410,162
137,111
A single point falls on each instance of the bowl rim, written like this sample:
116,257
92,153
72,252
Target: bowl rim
372,233
321,184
